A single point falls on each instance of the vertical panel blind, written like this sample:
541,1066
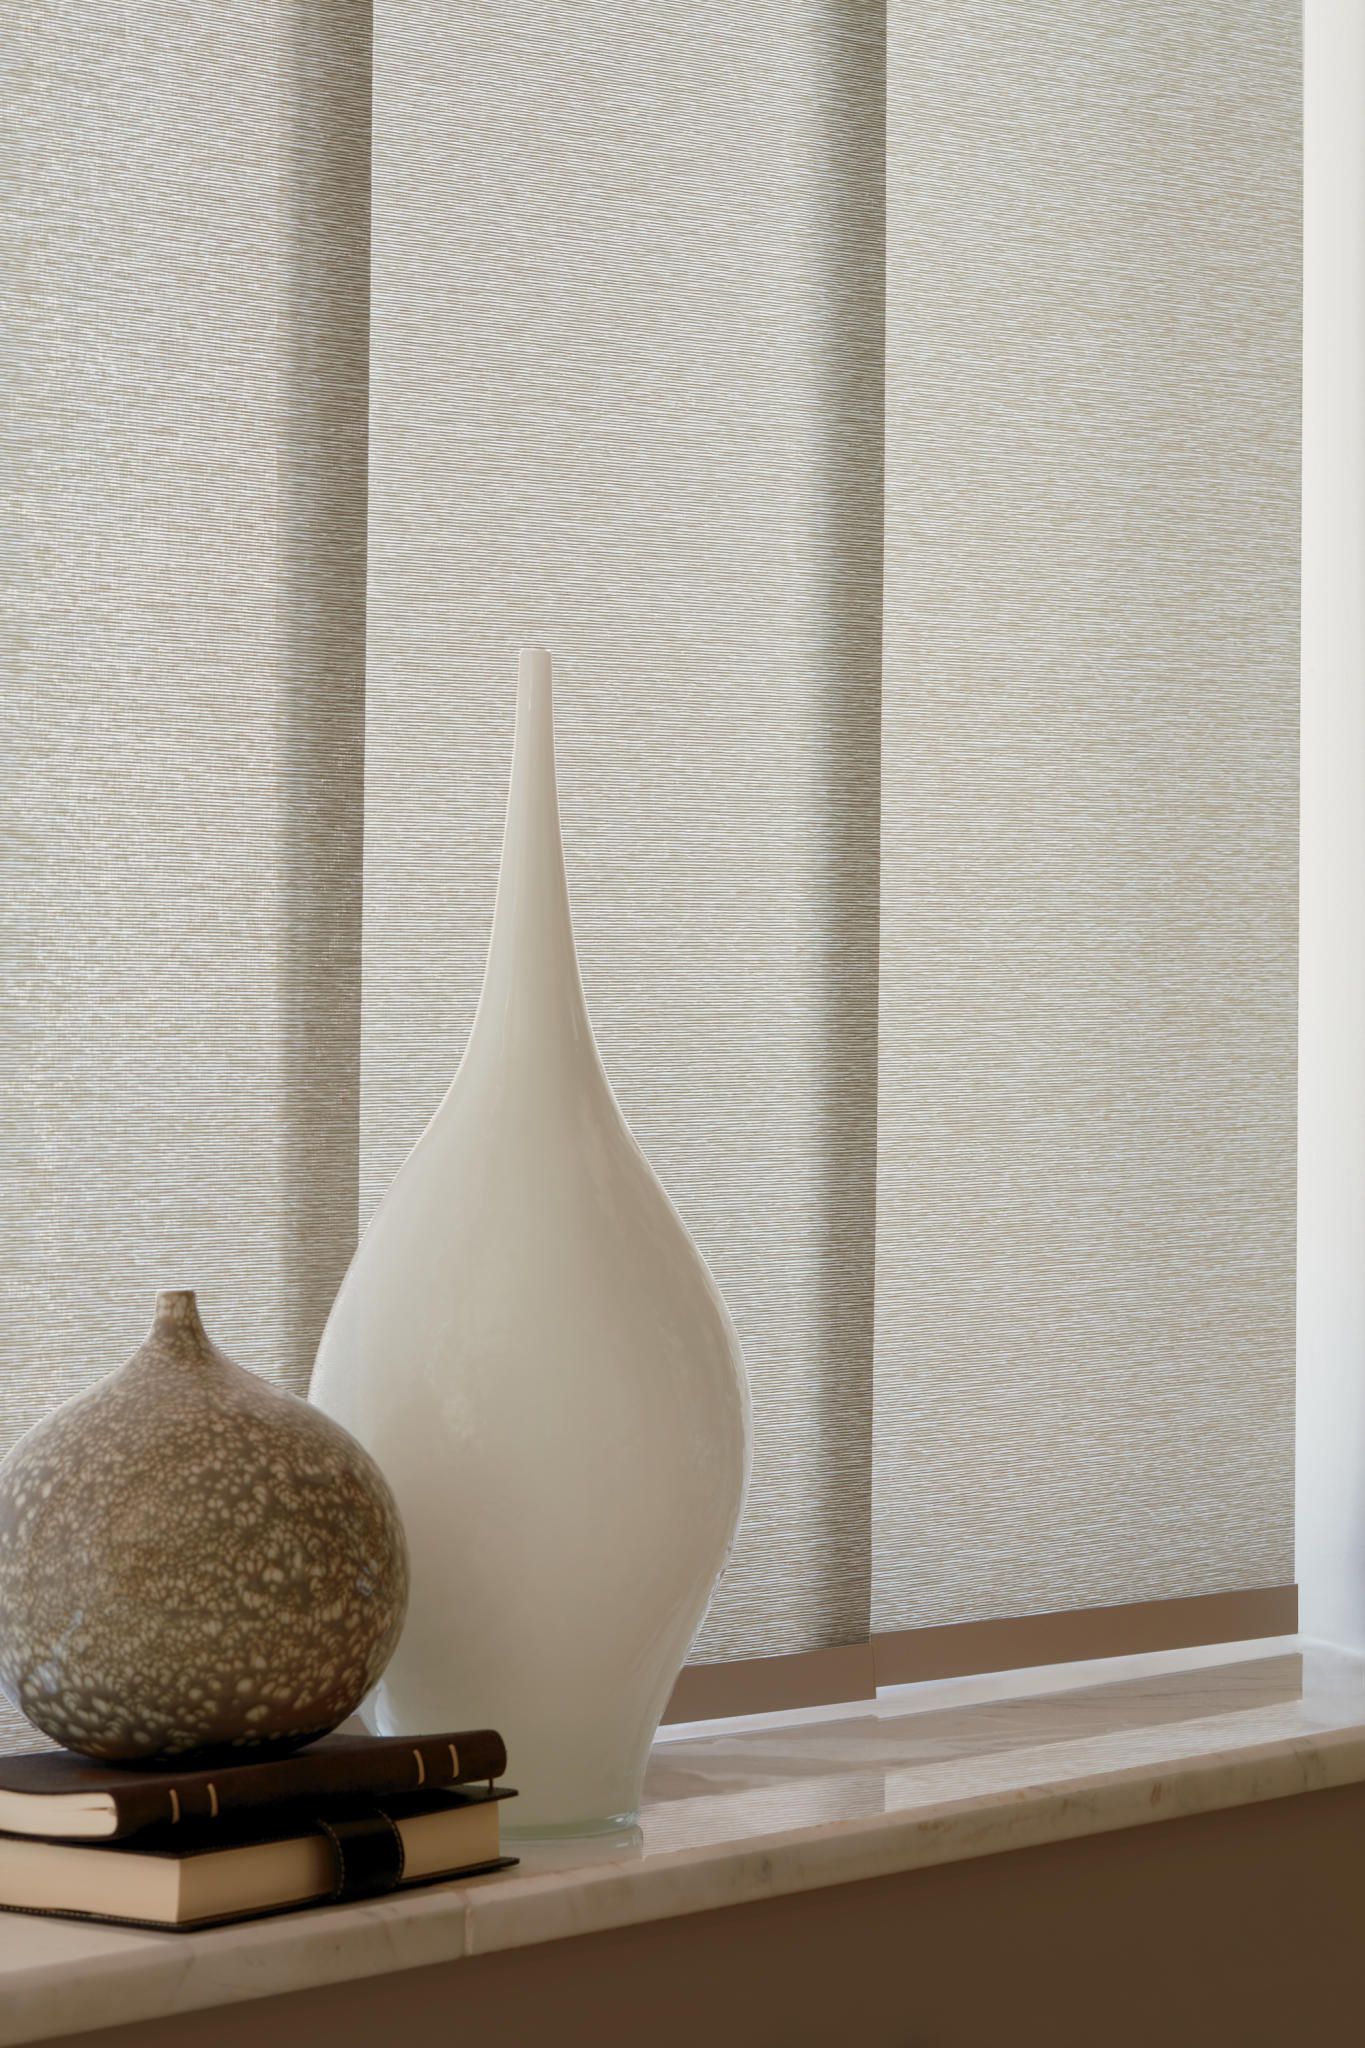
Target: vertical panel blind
626,364
625,342
1085,1298
186,285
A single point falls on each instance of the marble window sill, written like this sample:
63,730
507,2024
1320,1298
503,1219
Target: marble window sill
928,1774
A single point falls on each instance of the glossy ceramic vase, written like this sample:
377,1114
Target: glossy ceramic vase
533,1349
192,1563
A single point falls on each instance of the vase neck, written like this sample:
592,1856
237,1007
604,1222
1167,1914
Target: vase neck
177,1336
177,1315
532,1000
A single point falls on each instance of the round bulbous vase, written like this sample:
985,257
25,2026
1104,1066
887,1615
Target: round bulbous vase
193,1565
533,1348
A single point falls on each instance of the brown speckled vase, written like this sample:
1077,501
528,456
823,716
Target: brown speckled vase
193,1564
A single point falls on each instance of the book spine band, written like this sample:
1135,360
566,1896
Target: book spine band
367,1853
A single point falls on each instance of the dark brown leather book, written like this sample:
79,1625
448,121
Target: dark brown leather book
199,1873
56,1794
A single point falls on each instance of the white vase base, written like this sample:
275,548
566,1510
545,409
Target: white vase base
608,1825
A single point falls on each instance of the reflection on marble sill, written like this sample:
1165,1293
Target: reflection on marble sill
891,1756
732,1816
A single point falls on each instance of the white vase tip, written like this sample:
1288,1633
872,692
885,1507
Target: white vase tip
533,665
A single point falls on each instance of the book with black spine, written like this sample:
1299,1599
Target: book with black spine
201,1873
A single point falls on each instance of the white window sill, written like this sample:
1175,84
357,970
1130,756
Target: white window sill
924,1775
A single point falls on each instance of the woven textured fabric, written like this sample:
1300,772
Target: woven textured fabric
185,287
1085,1255
626,380
651,287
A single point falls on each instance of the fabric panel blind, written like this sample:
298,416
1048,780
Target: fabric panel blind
186,285
651,288
1085,1243
626,400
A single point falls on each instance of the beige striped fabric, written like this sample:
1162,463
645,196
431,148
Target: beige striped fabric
186,314
888,415
1085,1242
626,375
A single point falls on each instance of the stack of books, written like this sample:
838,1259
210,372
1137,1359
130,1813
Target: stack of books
348,1817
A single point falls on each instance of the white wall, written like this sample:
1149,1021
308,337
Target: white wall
1331,1393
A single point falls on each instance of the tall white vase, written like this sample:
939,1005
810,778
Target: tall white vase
531,1347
